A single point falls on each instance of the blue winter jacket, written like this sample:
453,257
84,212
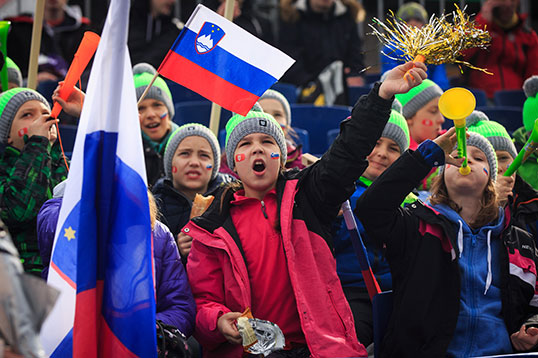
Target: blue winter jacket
175,304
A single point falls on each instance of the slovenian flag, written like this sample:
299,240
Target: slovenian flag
222,62
102,253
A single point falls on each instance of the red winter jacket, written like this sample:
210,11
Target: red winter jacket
308,202
511,57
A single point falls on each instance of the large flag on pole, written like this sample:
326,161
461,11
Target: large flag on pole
102,253
224,63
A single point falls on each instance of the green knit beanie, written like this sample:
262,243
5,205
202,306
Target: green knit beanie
13,72
412,11
397,130
143,74
417,97
254,122
10,102
530,107
497,135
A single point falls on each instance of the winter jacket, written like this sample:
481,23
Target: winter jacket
308,202
153,156
27,178
511,57
175,208
316,40
175,304
528,170
524,207
422,250
58,43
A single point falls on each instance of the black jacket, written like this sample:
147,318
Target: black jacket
525,207
422,252
317,40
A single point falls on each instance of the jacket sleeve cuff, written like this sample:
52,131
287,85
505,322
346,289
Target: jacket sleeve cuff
432,154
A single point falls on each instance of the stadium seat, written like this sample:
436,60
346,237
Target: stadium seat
480,96
182,94
68,133
510,117
318,121
354,93
288,90
303,138
513,98
198,112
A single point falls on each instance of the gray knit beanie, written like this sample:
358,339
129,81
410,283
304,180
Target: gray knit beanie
417,97
254,122
479,141
10,102
494,132
397,130
189,130
13,72
272,94
143,74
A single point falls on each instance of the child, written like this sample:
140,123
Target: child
514,191
30,166
394,141
463,276
155,112
174,301
14,74
265,241
277,105
528,170
191,164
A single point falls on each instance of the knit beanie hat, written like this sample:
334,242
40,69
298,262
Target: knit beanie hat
417,97
397,130
10,102
13,72
397,106
254,122
143,74
412,11
530,107
189,130
272,94
497,135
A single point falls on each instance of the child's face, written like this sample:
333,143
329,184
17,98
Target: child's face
25,116
473,183
275,108
385,152
257,163
154,119
427,122
192,165
504,160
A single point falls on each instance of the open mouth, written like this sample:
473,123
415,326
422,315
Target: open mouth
153,125
259,166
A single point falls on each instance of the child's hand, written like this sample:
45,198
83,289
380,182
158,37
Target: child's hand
73,105
503,187
184,242
226,326
525,338
43,127
447,141
397,81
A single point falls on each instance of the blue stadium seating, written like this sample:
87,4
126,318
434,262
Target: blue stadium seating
198,112
513,98
510,117
289,91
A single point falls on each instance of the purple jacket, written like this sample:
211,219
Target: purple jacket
175,304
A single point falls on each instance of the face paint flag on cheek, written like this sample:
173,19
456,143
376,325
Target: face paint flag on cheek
239,157
23,131
209,166
486,171
163,115
275,155
427,122
174,169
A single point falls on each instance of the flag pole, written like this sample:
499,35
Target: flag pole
36,43
215,108
147,88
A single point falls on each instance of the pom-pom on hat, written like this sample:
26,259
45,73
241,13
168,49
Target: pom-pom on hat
254,122
13,72
530,107
397,130
188,130
497,135
272,94
143,74
10,102
417,97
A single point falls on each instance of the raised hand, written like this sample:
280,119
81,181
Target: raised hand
397,81
73,105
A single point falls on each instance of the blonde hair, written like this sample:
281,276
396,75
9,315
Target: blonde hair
489,209
153,210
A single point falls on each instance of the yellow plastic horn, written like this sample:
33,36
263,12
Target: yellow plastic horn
4,28
457,104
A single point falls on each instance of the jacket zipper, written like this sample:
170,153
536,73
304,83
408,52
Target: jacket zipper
263,210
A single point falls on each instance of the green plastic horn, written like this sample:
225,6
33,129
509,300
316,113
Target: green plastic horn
525,152
4,28
457,104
